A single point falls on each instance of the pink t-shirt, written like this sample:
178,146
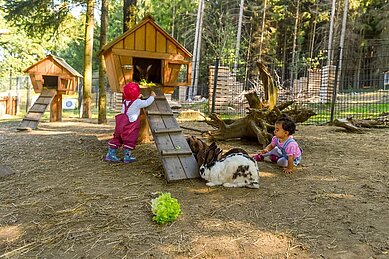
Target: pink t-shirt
291,149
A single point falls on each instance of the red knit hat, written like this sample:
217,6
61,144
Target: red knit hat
131,91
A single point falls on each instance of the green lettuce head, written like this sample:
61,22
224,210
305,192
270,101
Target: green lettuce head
165,208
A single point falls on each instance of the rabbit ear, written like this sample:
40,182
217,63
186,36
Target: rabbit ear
201,157
213,153
192,144
208,154
218,153
196,144
202,144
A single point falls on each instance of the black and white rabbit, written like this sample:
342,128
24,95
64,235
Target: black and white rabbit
234,170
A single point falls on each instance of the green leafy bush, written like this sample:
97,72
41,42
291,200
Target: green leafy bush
165,208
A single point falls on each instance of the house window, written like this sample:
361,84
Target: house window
50,82
183,74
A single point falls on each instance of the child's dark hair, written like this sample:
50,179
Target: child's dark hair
287,123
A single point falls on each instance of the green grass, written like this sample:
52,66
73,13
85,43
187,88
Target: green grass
323,110
201,106
343,110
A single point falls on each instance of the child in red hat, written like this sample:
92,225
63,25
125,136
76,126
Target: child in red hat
128,123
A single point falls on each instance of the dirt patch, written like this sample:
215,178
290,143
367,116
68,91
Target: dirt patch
63,201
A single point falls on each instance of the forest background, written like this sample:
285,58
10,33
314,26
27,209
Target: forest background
278,32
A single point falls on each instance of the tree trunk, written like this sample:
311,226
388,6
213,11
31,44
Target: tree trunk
262,114
331,32
238,36
129,14
88,52
102,68
343,33
244,128
196,49
258,124
293,73
263,28
144,135
270,89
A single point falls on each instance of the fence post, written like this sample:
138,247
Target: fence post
335,90
9,103
28,101
18,88
214,85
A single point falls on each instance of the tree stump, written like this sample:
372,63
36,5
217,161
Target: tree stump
258,124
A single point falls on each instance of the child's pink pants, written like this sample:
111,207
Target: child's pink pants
126,132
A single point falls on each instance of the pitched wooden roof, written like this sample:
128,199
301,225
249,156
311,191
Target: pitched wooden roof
146,19
58,60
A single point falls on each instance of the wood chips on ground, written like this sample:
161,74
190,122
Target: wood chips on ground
59,199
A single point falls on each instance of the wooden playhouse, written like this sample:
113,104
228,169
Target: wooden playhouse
148,47
144,45
51,77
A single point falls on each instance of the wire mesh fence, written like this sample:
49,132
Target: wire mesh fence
352,86
17,96
347,85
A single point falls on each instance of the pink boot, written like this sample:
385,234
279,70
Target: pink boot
274,158
258,157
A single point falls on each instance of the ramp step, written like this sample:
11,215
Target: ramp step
175,152
38,108
46,95
160,113
163,131
27,125
32,118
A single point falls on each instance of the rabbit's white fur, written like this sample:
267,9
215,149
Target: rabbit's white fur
235,170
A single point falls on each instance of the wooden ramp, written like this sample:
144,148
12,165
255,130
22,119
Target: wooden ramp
37,110
176,155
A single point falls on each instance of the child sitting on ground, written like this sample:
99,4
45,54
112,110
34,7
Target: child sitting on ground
283,149
128,123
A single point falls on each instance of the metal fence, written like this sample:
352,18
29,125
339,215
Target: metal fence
337,88
20,88
355,87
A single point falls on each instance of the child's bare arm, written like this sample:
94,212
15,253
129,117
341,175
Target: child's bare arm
268,148
289,168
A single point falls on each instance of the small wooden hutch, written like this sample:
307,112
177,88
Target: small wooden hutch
144,45
147,47
55,77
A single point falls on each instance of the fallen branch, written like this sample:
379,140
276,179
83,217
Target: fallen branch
348,125
193,129
355,126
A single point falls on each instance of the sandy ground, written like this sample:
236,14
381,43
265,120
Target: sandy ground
59,199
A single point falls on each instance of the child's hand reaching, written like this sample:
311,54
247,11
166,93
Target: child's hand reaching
288,170
152,93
